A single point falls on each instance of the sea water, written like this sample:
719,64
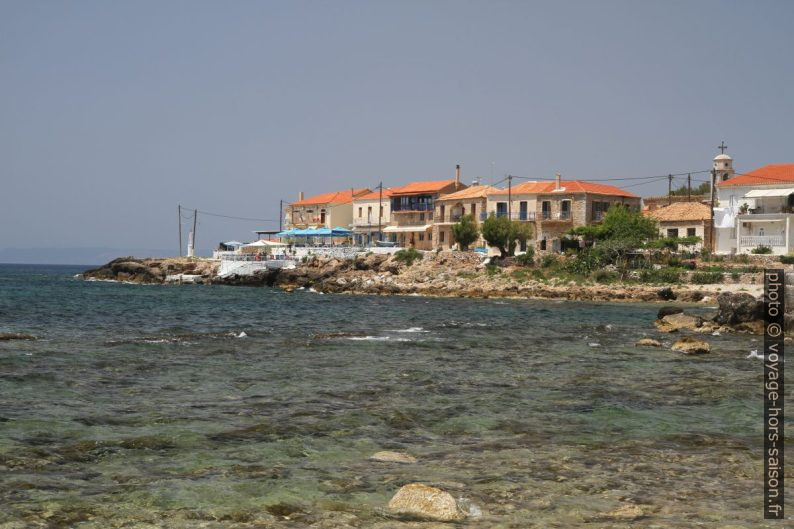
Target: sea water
216,406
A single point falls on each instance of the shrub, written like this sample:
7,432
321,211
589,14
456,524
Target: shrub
548,260
761,249
527,258
787,259
605,276
742,258
492,269
736,276
407,256
664,275
538,274
707,278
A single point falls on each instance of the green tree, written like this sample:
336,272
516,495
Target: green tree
702,189
504,234
465,231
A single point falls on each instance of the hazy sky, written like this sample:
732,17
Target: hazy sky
112,113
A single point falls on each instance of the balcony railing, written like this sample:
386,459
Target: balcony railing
517,215
762,240
370,221
414,206
559,215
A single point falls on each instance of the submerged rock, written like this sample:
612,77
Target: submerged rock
424,502
387,456
648,342
668,310
691,346
675,322
15,336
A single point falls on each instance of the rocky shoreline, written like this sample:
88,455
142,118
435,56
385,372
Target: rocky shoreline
445,274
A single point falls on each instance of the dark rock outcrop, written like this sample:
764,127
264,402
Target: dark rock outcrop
736,308
667,310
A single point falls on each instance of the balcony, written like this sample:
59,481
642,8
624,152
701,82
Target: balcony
412,207
370,221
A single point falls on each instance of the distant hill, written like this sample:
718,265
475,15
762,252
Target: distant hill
80,256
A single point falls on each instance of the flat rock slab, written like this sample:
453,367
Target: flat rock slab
427,503
648,342
691,346
393,457
675,322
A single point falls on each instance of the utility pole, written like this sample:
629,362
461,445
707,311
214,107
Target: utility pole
179,212
689,187
380,210
669,189
280,214
711,224
509,196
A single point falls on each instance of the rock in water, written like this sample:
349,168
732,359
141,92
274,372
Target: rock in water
393,457
426,502
738,308
691,346
674,322
667,310
626,512
648,342
15,336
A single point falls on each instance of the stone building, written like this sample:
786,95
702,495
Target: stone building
684,219
554,208
451,207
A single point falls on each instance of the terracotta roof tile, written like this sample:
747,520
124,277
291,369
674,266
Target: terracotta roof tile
570,186
782,173
480,191
387,192
336,197
681,211
432,186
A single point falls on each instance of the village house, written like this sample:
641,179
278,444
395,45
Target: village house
451,207
371,214
656,202
554,208
412,208
328,210
684,219
753,209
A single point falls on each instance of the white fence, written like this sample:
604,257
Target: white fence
762,240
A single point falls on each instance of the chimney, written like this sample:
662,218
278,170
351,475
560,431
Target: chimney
457,177
300,196
557,182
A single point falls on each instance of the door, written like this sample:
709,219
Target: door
522,210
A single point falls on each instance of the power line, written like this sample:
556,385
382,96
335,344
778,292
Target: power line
235,217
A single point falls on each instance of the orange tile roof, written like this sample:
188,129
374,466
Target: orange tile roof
387,192
415,188
480,191
781,173
570,186
681,211
336,197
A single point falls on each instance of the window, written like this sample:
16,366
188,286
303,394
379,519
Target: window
442,212
672,232
441,236
599,209
359,211
421,216
691,232
430,236
501,209
474,210
369,212
421,236
565,209
545,208
522,210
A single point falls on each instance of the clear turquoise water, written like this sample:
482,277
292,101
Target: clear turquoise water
140,406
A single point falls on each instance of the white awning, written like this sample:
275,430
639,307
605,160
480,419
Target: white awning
778,192
394,229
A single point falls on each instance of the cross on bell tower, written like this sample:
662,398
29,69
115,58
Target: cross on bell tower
723,164
722,147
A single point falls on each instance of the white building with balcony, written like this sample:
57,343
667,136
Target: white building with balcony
754,209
